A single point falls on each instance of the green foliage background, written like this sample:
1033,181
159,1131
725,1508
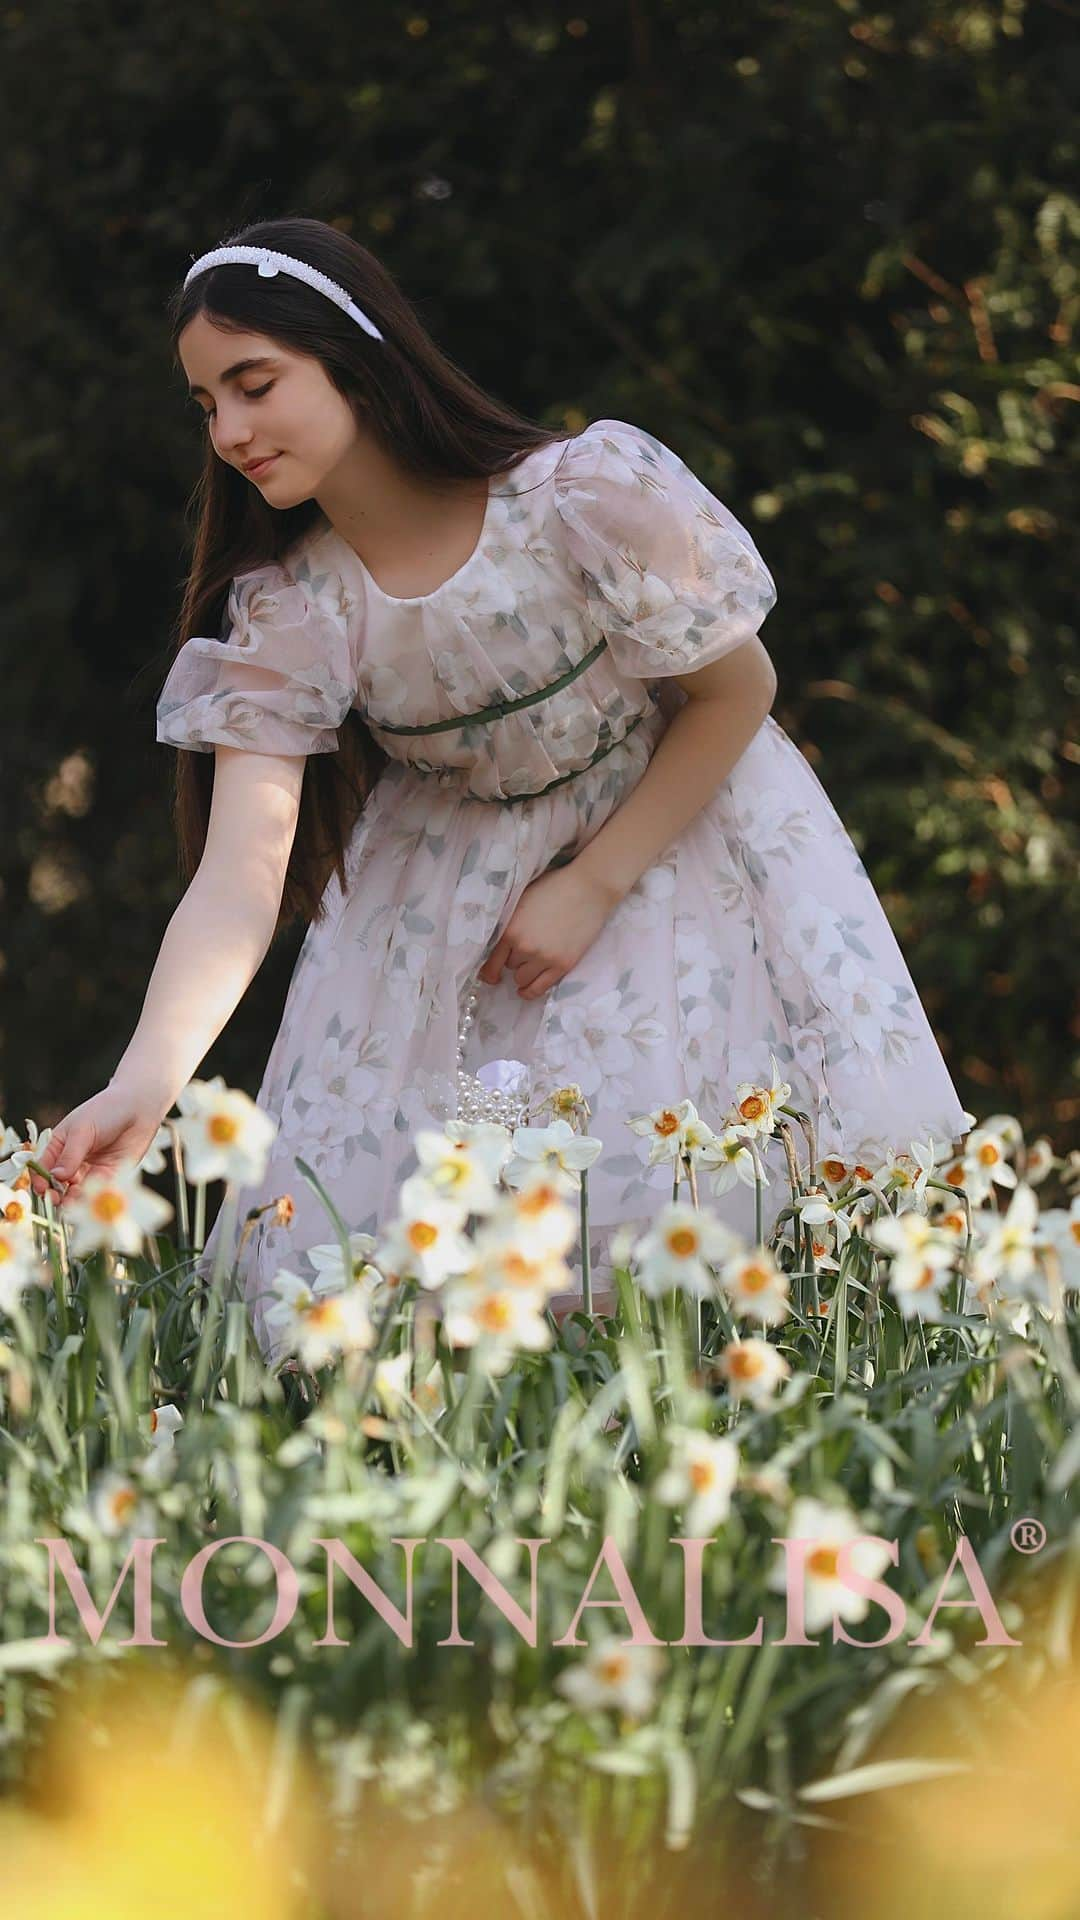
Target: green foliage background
829,254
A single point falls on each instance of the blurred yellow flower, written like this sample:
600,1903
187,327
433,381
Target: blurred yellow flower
162,1788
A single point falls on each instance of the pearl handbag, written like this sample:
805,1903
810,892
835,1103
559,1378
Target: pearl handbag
504,1094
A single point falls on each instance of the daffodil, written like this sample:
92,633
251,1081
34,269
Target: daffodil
614,1674
1060,1231
829,1527
755,1108
154,1159
20,1266
555,1148
224,1135
568,1103
753,1369
681,1248
425,1241
757,1287
116,1507
114,1212
700,1478
830,1227
497,1318
16,1207
459,1170
544,1206
330,1267
923,1259
163,1424
986,1161
16,1149
1005,1252
664,1128
728,1159
508,1251
392,1382
317,1326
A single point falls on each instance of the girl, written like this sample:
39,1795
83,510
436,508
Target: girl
489,708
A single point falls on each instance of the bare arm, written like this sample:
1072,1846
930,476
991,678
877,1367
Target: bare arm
219,934
213,946
729,699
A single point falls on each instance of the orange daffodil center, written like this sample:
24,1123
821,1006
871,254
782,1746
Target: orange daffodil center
108,1205
683,1241
822,1564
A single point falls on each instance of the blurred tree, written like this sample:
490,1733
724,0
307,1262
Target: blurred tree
829,254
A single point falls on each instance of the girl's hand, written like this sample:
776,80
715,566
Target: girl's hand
115,1126
555,921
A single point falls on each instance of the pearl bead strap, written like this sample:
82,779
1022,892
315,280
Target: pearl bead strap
475,1100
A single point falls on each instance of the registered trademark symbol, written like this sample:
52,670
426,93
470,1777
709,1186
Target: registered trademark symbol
1027,1536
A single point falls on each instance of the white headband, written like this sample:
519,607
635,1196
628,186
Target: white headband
269,263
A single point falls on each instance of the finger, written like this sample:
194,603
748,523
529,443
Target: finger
548,979
73,1154
529,970
48,1157
496,960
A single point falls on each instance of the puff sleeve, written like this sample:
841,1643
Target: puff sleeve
672,577
282,680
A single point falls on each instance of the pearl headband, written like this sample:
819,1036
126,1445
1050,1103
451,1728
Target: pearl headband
269,263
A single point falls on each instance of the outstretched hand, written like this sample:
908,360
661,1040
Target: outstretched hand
554,922
114,1127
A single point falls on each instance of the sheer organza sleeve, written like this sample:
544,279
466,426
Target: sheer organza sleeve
281,681
672,577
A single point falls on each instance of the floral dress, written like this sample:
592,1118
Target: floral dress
520,702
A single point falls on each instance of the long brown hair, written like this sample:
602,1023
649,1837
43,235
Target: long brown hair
422,409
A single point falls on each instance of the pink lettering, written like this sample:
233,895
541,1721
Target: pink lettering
642,1635
524,1624
191,1600
60,1555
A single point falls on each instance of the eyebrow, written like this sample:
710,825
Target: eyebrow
238,367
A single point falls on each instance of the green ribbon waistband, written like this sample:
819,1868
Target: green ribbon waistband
496,712
511,799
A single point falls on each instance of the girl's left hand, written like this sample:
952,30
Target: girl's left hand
555,921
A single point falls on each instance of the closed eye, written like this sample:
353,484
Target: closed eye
250,393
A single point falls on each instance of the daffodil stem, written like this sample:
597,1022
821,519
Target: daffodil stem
212,1314
699,1325
586,1268
385,1326
103,1306
463,1419
200,1216
182,1220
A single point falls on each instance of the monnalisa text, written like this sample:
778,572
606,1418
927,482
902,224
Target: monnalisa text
963,1571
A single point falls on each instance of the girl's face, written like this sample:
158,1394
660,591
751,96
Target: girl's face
262,400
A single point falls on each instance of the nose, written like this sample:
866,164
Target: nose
231,433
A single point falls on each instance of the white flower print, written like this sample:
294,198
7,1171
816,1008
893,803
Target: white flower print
339,1084
811,934
388,693
461,677
769,823
601,1039
568,726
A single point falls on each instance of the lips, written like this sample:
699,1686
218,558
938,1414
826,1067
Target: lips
259,466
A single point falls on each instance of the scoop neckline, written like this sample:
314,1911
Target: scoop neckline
494,492
417,599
